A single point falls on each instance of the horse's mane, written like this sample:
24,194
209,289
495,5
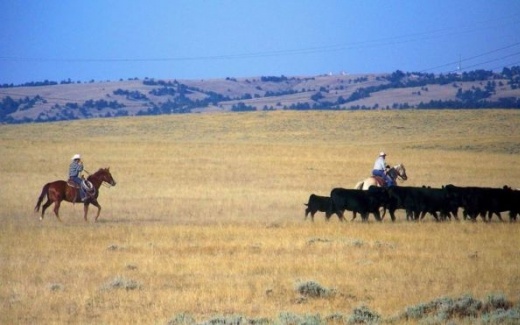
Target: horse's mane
101,170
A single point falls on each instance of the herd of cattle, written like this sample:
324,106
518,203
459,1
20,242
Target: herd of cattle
442,203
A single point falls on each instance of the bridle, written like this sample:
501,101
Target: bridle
395,172
103,182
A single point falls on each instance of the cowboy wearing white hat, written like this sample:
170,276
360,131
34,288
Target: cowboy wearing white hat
380,168
75,168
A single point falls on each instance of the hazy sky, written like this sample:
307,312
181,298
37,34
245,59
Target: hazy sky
196,39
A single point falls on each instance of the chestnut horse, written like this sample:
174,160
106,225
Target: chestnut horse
58,191
398,171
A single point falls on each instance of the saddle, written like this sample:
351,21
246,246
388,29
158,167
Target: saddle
380,181
72,184
88,187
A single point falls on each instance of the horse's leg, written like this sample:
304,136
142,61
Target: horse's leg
96,204
57,209
85,210
44,207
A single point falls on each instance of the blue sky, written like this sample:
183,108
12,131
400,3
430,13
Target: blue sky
203,39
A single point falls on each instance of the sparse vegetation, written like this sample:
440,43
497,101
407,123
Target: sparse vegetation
206,223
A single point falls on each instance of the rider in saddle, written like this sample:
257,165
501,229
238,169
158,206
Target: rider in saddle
75,168
381,169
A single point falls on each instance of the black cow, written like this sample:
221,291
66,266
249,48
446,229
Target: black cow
515,205
362,202
403,197
381,194
485,201
467,198
317,203
436,200
417,201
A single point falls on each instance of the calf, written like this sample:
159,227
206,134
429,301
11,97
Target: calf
317,203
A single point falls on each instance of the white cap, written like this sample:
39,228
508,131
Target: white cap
382,153
76,156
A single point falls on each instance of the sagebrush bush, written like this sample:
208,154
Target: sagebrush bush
121,283
287,318
313,289
496,310
182,319
363,315
497,301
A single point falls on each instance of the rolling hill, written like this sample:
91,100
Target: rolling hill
52,101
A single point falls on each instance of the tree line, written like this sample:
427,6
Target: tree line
182,98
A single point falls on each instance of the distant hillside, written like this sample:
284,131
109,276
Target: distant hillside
66,100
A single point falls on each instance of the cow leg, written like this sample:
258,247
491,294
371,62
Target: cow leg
456,214
312,215
392,214
471,215
328,214
499,216
354,215
377,216
384,213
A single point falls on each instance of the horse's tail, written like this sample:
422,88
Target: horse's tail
45,190
359,185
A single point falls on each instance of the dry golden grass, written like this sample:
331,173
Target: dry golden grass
207,216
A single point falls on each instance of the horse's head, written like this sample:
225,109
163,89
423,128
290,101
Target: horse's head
401,171
104,175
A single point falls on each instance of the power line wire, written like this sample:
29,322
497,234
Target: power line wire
472,57
388,41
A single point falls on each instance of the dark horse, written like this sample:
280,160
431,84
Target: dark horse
58,191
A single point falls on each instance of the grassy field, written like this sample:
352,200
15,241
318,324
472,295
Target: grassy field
206,219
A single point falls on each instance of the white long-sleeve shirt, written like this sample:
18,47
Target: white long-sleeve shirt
380,163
